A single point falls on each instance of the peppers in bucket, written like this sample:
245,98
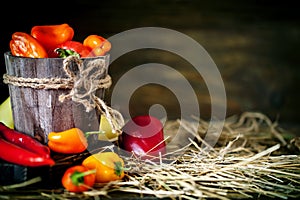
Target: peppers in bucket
143,135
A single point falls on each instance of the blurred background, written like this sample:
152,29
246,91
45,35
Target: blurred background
253,43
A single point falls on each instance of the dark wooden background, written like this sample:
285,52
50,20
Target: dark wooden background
255,44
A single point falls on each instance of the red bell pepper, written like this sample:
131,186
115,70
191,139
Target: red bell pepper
143,135
71,48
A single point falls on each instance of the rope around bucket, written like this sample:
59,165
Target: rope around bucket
83,82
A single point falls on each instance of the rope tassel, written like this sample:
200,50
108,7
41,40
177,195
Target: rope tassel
86,82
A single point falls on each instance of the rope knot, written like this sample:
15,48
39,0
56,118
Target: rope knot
87,77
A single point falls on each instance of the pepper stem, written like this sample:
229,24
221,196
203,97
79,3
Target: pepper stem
119,168
93,132
63,53
77,177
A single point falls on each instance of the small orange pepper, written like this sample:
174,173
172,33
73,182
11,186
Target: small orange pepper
78,178
99,45
70,141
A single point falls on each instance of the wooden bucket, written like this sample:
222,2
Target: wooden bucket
36,86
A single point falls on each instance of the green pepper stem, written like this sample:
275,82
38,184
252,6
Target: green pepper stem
119,168
63,53
93,132
77,177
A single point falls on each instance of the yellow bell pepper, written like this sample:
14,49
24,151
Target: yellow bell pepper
109,166
105,130
6,116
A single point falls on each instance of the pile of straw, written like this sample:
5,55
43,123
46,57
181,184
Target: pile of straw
251,159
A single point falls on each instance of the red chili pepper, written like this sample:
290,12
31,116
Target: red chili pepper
143,135
72,48
17,155
24,141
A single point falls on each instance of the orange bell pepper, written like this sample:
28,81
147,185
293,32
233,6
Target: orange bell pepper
23,44
70,141
52,35
109,166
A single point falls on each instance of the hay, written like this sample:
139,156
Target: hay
250,160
